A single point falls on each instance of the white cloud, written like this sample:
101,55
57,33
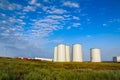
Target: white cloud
66,15
29,8
5,5
22,17
46,0
76,25
56,17
44,27
48,21
54,10
71,4
14,6
5,34
4,21
32,2
76,18
14,28
2,28
35,3
11,26
45,8
104,25
18,49
3,15
13,21
7,31
69,27
114,20
57,41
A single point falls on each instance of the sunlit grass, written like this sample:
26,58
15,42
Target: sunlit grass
17,69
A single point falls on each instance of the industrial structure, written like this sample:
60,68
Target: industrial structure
77,53
67,56
55,54
43,59
95,55
116,59
62,53
61,50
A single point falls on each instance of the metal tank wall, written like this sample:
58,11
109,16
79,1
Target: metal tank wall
67,53
77,53
116,59
61,53
95,55
55,54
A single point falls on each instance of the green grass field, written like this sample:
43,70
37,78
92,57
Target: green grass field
17,69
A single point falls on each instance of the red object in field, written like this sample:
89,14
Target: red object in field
16,56
25,59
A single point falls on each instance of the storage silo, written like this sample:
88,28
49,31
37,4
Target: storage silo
61,53
77,53
95,55
55,54
116,59
67,53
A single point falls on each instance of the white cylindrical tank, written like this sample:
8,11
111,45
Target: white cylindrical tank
95,55
116,59
61,53
67,54
77,53
55,54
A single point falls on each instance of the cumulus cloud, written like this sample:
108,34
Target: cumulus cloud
54,10
5,5
56,17
42,27
32,2
76,18
76,25
22,34
29,8
35,3
22,48
71,4
32,6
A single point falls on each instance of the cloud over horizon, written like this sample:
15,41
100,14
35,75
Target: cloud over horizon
26,27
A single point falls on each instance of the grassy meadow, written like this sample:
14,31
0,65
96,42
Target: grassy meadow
17,69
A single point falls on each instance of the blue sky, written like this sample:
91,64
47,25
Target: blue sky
31,28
